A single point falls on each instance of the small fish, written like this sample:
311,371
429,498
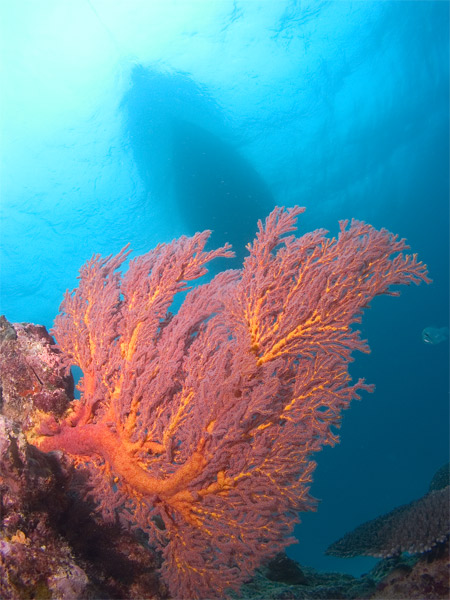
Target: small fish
435,335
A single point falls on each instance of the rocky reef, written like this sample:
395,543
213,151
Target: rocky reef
52,543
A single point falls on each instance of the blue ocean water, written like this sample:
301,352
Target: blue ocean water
136,121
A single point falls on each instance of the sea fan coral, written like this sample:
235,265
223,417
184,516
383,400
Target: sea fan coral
199,427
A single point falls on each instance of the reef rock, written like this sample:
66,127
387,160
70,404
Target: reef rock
32,376
52,545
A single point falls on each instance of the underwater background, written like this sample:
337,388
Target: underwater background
141,120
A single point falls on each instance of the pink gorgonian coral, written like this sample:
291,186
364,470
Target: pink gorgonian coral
199,427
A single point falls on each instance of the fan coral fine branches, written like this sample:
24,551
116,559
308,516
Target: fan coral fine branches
199,427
